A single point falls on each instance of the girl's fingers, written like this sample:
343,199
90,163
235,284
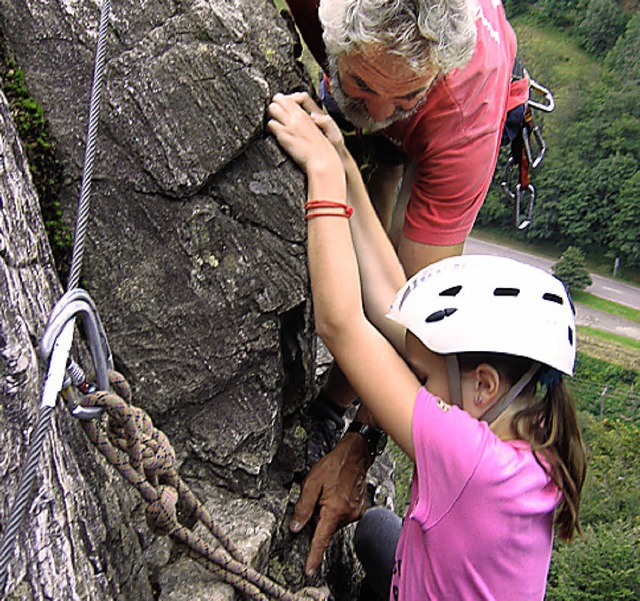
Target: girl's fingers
302,99
328,127
308,104
276,112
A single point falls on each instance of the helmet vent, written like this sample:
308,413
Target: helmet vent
506,292
451,291
554,298
440,315
570,335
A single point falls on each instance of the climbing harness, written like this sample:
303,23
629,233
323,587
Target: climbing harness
121,432
522,133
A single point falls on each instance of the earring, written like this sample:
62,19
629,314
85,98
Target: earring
479,400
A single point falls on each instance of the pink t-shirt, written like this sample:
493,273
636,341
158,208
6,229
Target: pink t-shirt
454,137
480,523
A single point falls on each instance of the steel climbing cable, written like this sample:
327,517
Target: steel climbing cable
27,479
90,151
23,496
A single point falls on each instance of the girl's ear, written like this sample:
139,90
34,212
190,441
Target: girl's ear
488,385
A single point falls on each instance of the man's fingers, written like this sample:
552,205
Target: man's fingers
325,530
306,504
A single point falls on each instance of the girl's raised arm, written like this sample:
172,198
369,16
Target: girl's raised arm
378,374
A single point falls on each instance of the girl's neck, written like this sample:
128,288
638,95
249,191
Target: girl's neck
502,427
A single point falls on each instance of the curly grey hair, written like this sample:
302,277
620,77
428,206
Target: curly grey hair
427,33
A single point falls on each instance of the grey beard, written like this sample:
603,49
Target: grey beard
355,109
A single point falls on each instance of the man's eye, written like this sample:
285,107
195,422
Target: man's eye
361,84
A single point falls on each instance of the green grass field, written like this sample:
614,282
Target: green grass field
595,302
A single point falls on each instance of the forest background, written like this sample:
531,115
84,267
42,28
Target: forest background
587,52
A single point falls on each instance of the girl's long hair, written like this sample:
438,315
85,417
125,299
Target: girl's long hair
550,425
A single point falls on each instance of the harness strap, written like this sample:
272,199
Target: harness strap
453,372
305,15
511,395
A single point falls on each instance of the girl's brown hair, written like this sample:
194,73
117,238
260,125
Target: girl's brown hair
550,425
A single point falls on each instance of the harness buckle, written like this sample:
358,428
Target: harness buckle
55,346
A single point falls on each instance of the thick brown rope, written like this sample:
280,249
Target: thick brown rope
145,458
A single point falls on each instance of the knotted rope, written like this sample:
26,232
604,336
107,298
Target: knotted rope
146,459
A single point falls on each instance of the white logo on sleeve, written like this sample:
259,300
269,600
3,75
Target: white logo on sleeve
444,406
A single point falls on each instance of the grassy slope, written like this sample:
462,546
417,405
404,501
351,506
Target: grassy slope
556,62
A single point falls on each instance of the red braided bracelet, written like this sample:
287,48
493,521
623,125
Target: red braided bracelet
327,204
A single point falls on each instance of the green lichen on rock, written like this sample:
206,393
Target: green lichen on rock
46,170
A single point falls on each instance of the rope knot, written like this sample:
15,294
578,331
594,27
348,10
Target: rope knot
162,516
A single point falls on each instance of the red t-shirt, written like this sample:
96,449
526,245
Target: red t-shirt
454,137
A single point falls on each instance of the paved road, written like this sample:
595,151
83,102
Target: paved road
606,288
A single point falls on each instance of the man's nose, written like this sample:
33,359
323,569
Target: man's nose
380,109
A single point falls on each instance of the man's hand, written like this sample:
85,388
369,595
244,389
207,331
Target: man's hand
336,487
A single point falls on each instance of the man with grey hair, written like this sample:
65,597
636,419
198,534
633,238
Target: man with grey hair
429,81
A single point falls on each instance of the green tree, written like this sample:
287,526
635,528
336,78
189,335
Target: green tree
561,13
587,213
602,25
604,563
612,487
624,58
600,567
626,223
572,269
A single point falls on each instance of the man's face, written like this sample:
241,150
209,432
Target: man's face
375,89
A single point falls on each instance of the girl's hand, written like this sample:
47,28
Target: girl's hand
310,137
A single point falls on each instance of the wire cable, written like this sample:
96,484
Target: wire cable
25,487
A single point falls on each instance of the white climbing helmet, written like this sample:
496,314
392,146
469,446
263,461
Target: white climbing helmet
482,303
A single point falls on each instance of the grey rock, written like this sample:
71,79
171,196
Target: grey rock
196,261
79,541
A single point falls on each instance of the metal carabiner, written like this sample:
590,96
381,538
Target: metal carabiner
56,342
526,142
548,96
507,180
520,191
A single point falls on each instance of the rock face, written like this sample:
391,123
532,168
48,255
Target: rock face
196,256
79,540
196,262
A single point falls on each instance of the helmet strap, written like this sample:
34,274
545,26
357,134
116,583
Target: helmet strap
511,395
453,372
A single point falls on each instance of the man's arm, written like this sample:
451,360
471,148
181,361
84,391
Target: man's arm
383,186
414,255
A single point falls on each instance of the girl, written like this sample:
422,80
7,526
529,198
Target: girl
473,394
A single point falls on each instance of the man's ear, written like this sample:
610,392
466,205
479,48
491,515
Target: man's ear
488,385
